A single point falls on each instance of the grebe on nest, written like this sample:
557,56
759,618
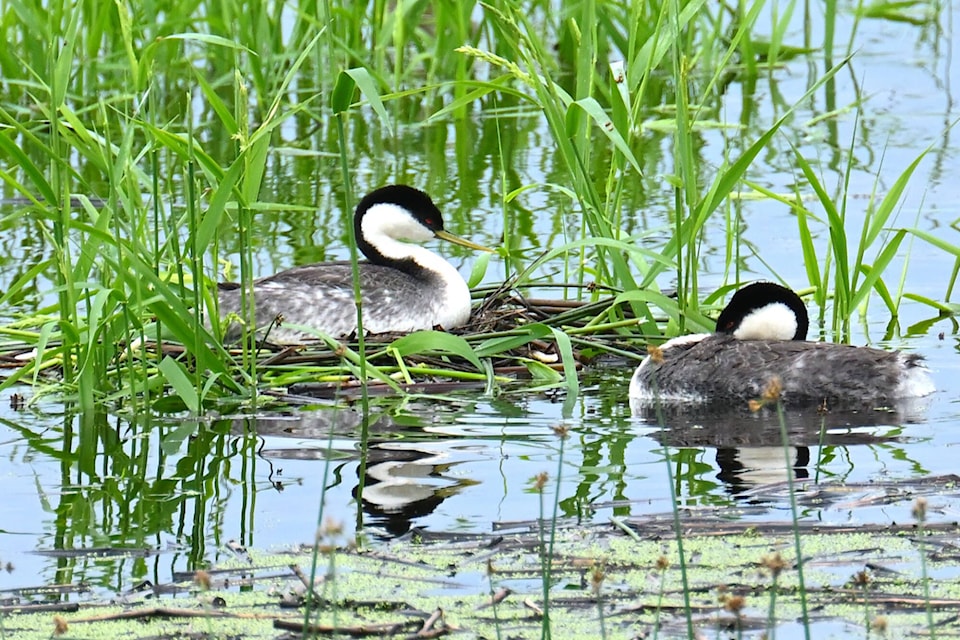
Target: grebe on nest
404,287
762,335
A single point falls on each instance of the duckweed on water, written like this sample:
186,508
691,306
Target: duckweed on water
400,583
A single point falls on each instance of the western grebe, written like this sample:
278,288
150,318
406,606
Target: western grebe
404,287
761,335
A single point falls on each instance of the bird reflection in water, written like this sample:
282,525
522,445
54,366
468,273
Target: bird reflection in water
403,482
748,445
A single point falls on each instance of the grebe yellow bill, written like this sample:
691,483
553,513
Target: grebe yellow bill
404,287
761,336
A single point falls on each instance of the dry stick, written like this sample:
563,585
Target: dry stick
530,604
170,612
433,633
64,607
386,628
280,356
499,596
306,581
432,620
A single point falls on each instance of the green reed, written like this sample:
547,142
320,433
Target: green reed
794,513
141,195
853,267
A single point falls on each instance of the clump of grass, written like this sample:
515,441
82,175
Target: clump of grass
847,273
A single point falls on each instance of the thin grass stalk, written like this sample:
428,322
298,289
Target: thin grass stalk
585,66
59,56
772,611
194,260
555,109
686,193
354,258
546,561
248,301
340,102
662,565
596,579
862,579
137,383
311,604
508,241
802,588
920,515
687,604
153,109
494,601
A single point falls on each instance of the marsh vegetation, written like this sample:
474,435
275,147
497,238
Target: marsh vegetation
632,161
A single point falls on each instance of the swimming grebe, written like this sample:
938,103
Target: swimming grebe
404,287
761,334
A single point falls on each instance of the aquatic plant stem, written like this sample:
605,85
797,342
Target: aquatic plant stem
791,490
195,259
545,560
561,432
772,611
354,257
310,604
920,515
493,599
341,102
687,606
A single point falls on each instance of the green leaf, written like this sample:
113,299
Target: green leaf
207,38
569,368
219,107
224,193
342,95
493,346
29,168
436,341
173,441
541,372
368,88
945,308
176,375
936,241
600,117
874,272
479,269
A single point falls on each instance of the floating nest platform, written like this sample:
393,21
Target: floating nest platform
516,337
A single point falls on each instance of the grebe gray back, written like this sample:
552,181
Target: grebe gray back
761,335
404,287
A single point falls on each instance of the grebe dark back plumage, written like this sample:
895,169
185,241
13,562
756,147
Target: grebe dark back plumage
761,335
404,287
